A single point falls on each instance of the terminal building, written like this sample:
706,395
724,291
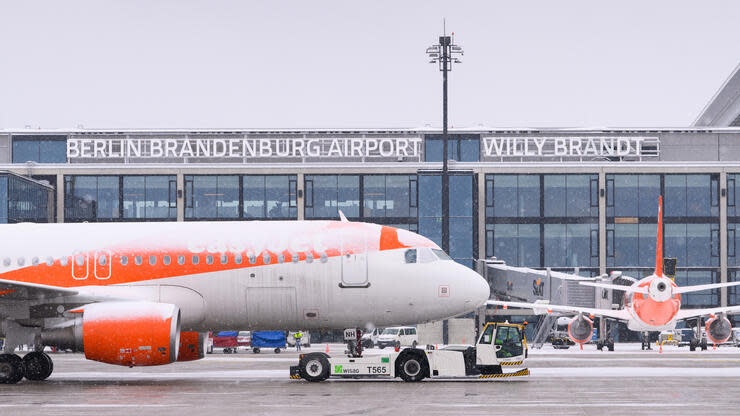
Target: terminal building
566,198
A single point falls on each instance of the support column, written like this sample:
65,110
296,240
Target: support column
60,197
602,222
180,197
301,197
481,216
723,237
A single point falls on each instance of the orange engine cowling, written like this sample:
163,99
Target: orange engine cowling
718,329
122,333
192,346
580,329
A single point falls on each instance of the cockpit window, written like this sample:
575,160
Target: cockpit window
410,255
441,254
426,256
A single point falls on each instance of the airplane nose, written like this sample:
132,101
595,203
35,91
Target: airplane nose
481,290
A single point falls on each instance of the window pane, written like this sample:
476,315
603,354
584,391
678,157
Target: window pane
555,245
648,193
374,196
254,196
277,197
214,197
3,199
469,150
461,196
158,204
505,199
461,241
397,196
134,197
430,196
625,195
555,198
578,195
349,196
433,150
698,195
331,193
42,149
675,195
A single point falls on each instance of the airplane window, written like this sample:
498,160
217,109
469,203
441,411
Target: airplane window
124,260
252,259
166,260
324,258
281,258
196,259
309,258
295,257
237,259
181,260
138,260
224,259
152,260
35,261
63,261
441,254
21,261
266,259
410,255
6,262
102,260
79,260
209,259
49,261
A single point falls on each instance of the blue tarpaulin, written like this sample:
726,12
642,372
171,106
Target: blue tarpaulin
227,334
268,339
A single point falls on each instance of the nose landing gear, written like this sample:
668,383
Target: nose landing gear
34,366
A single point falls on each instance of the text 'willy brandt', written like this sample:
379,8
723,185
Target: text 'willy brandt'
242,148
564,146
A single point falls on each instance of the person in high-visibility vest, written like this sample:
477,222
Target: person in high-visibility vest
297,335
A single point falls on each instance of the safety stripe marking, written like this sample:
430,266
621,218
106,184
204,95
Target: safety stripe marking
295,377
524,372
512,363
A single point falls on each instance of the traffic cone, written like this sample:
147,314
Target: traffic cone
327,348
714,346
581,346
660,351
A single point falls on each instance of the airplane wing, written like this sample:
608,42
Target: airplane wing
541,308
13,291
696,288
693,313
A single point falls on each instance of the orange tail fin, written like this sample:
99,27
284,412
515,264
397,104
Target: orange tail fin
659,245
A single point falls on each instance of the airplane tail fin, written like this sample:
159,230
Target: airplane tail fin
659,245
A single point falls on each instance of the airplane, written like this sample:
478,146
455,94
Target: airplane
651,304
139,294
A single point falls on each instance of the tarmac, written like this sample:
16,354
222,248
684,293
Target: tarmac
563,382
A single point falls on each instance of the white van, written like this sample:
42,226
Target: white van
398,336
370,338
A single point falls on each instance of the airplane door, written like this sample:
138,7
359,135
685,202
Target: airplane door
354,262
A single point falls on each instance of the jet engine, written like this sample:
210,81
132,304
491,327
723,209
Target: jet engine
122,333
580,329
718,329
192,346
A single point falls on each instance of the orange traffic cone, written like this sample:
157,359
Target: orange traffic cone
581,346
714,346
660,351
327,348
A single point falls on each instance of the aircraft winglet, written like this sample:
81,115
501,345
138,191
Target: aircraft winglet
342,217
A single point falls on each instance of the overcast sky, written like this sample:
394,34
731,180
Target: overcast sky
293,64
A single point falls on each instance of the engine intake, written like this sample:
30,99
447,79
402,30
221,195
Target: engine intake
122,333
580,329
718,329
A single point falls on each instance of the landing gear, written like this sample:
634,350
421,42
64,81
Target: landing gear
11,368
37,365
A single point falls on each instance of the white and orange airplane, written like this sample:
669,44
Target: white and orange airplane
138,294
651,304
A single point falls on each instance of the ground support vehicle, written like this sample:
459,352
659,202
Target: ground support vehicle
397,337
370,338
268,339
500,353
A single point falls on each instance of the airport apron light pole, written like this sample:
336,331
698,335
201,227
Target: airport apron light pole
445,53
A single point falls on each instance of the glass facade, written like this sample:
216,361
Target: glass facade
690,232
41,149
543,220
22,200
462,148
240,197
120,198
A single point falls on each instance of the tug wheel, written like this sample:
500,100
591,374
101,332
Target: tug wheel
314,367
